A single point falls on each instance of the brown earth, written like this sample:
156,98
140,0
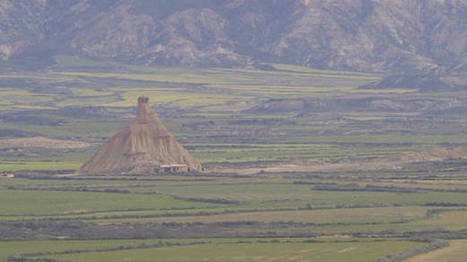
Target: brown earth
437,154
310,167
395,162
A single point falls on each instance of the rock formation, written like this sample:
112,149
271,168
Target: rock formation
143,147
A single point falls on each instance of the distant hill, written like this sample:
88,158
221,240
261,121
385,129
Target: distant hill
421,39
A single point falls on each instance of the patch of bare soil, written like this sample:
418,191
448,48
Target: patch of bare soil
396,162
42,142
346,249
375,165
437,154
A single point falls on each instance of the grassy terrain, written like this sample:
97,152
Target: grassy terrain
353,251
357,201
451,220
11,166
455,252
18,202
328,216
11,248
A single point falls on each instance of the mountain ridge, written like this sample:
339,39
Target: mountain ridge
415,38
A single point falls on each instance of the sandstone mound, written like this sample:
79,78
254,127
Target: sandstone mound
144,146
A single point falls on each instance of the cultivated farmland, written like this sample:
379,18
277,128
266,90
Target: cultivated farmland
301,164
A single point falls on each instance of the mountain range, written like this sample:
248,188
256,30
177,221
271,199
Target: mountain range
415,43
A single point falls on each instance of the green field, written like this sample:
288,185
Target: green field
302,165
12,166
353,251
452,220
18,202
11,248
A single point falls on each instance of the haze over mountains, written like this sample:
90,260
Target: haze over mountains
416,43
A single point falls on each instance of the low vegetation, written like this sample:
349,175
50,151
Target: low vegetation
301,164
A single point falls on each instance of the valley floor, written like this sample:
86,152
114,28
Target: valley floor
302,165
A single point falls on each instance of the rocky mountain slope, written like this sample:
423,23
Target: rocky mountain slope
425,38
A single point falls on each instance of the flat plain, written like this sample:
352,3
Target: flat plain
302,165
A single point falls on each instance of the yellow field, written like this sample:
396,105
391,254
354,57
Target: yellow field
455,252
